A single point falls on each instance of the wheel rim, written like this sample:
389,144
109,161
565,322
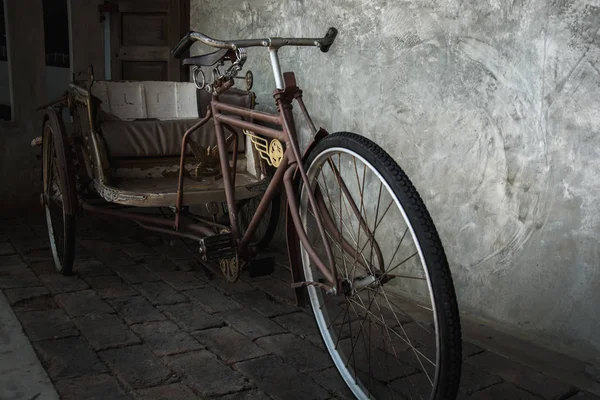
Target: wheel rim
55,212
387,342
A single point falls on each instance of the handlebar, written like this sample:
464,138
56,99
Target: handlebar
188,40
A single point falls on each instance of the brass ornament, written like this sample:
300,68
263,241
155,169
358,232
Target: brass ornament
275,152
272,152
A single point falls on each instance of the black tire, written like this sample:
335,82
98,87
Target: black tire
445,309
58,193
266,231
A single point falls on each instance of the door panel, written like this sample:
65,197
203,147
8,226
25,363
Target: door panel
142,35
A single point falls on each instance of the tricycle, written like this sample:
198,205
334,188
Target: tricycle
363,250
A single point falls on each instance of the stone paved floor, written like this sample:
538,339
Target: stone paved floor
143,319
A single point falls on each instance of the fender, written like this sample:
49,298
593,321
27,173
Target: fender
293,242
64,159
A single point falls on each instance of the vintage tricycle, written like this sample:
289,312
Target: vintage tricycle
362,247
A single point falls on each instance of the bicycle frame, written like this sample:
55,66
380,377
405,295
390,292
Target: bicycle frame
290,165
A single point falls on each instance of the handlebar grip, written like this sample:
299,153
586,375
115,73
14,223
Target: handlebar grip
328,39
184,45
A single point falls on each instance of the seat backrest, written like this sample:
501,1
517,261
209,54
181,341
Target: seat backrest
129,100
148,119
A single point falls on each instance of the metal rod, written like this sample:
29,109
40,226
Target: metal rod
285,108
200,229
179,199
295,213
169,232
227,184
264,202
235,152
268,132
274,58
332,229
126,215
356,211
300,101
244,112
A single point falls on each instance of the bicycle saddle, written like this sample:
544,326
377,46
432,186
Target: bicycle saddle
207,60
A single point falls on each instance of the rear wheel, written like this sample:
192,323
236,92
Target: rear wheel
58,187
393,330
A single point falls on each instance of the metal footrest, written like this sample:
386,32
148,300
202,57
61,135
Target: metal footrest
217,247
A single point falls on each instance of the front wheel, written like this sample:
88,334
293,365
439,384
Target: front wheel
393,329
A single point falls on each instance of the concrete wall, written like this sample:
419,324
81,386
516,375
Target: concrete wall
493,110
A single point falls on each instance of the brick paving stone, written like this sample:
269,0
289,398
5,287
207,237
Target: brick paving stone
331,380
246,395
137,250
302,325
520,375
213,301
413,386
90,267
190,317
95,387
229,287
18,278
159,264
181,280
38,255
30,244
165,338
136,309
68,358
475,379
6,249
470,349
159,293
503,391
58,283
105,331
115,259
175,391
584,396
175,251
134,273
18,295
262,303
46,324
189,264
136,366
206,375
229,345
302,354
278,289
280,380
251,324
110,286
396,367
35,304
43,267
83,303
11,262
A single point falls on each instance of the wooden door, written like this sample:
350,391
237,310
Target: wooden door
143,32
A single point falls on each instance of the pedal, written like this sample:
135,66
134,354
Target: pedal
217,247
261,266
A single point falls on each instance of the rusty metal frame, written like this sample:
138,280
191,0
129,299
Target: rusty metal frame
289,173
